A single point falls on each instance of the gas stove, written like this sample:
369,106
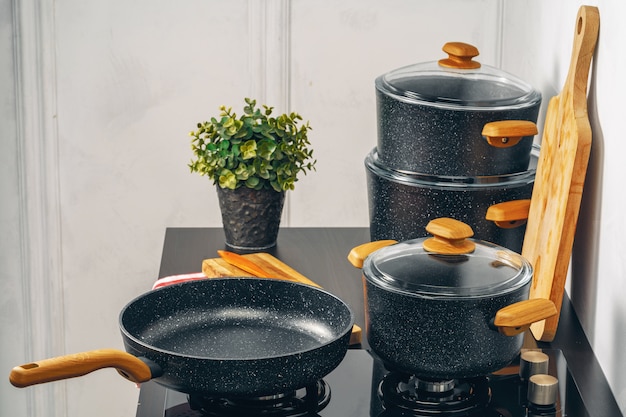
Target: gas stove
362,387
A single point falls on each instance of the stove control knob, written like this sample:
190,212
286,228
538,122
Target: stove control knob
543,390
532,362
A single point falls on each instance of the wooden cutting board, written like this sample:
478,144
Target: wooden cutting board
561,169
217,267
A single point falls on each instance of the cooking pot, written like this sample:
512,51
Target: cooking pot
448,306
402,203
431,116
228,337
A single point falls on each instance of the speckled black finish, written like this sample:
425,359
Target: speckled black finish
238,336
402,204
251,218
439,338
437,141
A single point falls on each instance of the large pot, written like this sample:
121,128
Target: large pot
402,203
228,337
431,116
449,306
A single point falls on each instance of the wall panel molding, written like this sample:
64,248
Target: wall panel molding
269,28
269,31
39,194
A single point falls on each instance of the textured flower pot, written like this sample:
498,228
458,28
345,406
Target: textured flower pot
251,218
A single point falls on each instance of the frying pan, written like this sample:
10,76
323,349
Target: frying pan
229,337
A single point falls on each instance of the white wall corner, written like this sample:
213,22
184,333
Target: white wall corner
39,194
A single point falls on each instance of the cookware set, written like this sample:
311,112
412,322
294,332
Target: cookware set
448,296
455,137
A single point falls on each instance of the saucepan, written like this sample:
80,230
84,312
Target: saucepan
431,116
447,306
229,337
402,203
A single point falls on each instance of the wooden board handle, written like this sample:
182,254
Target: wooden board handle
79,364
585,39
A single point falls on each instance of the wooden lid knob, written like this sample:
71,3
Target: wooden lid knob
449,237
460,56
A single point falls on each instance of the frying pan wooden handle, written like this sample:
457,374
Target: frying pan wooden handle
509,214
508,133
358,254
517,318
79,364
459,56
449,237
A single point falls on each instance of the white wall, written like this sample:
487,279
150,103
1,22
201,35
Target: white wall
121,84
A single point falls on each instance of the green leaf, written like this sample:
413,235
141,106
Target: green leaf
248,149
266,148
227,179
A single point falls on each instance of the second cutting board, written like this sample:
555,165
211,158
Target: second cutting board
561,170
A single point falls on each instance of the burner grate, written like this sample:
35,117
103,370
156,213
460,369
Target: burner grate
460,397
303,402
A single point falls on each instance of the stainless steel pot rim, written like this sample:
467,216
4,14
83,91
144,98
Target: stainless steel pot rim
487,88
518,179
493,256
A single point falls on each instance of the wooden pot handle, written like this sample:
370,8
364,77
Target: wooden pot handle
358,254
460,56
449,237
70,366
509,214
508,133
517,318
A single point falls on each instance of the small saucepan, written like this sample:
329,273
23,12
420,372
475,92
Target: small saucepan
448,306
232,337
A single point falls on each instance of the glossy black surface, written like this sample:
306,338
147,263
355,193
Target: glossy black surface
356,387
320,254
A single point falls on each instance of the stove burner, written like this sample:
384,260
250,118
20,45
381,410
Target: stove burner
302,402
420,397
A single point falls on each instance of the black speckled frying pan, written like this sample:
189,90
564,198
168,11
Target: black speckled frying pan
229,337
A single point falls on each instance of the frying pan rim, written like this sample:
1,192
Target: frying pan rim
148,347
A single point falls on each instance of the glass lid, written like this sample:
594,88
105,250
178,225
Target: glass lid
413,267
458,82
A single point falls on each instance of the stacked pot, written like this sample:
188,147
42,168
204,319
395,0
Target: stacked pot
455,139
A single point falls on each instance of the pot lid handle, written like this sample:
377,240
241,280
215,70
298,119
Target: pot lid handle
507,133
449,237
509,214
459,56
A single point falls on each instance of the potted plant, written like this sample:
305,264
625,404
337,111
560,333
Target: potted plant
253,159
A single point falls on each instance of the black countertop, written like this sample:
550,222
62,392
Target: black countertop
320,254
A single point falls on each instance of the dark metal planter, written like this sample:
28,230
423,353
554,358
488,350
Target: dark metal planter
251,218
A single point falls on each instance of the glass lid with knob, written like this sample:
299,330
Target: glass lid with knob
449,264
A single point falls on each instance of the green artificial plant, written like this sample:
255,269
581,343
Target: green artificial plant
254,150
